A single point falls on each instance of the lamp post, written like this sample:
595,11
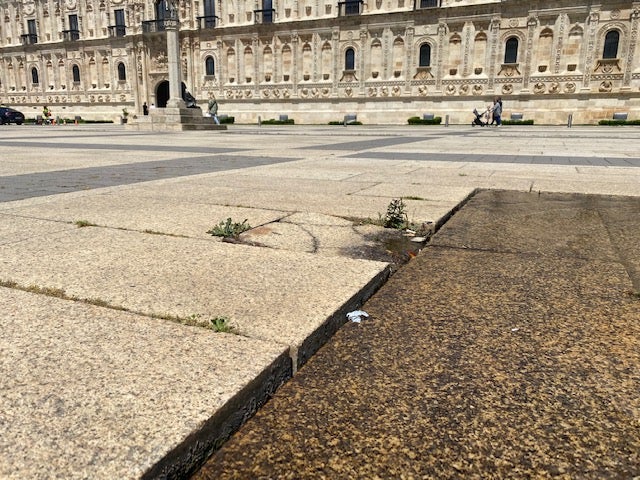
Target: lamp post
172,27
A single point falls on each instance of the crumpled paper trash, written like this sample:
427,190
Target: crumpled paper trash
357,315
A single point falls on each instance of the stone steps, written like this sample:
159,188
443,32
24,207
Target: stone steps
173,119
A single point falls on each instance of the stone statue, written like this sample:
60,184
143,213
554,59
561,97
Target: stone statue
189,99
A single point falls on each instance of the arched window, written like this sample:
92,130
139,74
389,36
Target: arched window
122,72
34,76
425,55
350,59
511,50
209,67
611,42
76,73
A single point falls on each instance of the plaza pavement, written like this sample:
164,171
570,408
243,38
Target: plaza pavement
105,264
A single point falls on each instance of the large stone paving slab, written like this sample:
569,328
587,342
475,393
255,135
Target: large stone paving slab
88,392
127,208
19,160
16,229
300,200
273,295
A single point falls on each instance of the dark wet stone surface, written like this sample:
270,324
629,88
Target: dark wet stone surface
508,348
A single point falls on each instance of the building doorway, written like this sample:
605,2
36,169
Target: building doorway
162,93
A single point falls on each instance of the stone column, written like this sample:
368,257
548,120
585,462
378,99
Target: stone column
258,74
442,55
295,51
363,55
591,43
631,47
171,24
532,25
410,66
337,57
494,39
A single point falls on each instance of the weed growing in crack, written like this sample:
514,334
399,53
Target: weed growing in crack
396,216
221,324
217,324
84,223
163,234
229,229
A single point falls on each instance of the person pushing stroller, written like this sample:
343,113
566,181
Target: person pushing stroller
479,117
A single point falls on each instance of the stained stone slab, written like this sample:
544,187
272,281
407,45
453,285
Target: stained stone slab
567,225
89,392
472,364
279,296
591,185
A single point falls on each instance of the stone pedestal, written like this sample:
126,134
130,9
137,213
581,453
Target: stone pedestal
173,119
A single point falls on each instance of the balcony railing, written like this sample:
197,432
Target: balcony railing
264,16
71,35
117,30
209,21
418,4
29,39
350,7
153,26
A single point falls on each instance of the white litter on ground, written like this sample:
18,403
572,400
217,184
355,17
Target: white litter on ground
356,316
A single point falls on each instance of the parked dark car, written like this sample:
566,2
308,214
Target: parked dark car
10,115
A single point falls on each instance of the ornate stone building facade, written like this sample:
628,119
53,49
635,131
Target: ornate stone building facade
317,60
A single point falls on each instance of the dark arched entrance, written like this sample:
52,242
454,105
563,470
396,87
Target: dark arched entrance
162,94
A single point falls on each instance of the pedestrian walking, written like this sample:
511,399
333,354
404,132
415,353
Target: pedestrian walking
213,109
497,111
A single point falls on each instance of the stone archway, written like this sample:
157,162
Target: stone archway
162,94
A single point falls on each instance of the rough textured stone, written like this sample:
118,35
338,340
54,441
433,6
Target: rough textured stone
474,363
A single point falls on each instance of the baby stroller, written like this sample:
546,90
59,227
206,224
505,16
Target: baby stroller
478,120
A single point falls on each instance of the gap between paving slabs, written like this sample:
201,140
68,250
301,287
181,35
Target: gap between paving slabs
299,353
194,449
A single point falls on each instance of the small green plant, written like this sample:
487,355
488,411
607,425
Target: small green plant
83,223
423,121
614,123
229,229
517,122
125,112
272,121
217,324
221,324
396,216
